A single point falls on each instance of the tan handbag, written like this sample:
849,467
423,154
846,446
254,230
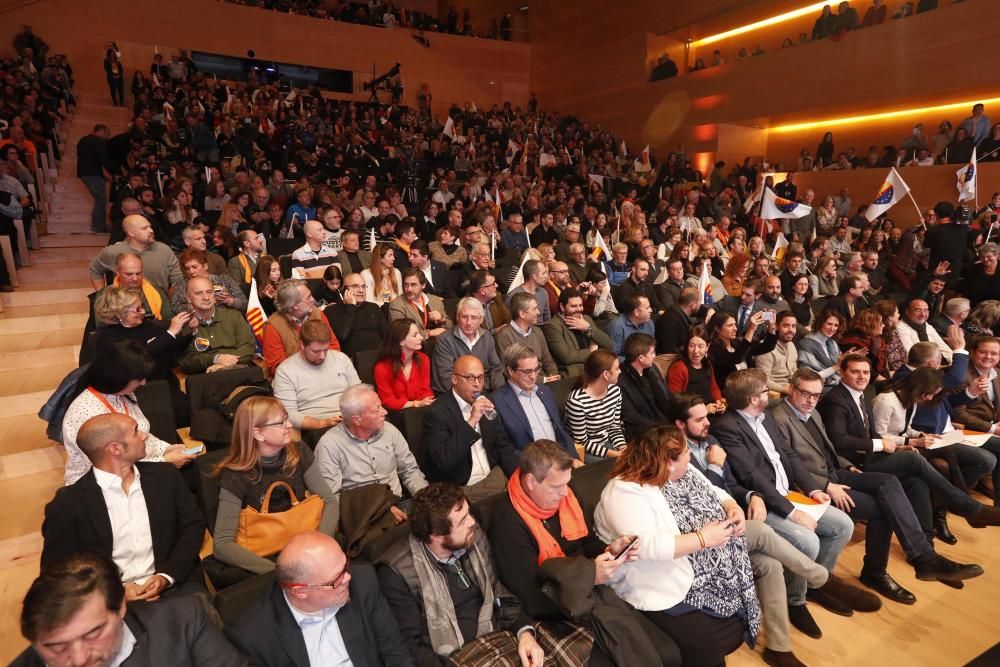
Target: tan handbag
266,533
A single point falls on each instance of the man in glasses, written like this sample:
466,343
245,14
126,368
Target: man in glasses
446,566
321,610
464,443
466,338
877,498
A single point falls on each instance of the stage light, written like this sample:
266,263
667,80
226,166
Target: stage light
882,115
814,8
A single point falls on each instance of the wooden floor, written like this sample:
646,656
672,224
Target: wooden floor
40,330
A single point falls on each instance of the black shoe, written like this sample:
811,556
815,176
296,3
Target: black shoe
986,516
803,621
941,530
781,659
6,288
943,569
957,585
887,587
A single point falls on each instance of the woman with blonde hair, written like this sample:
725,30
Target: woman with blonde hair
262,453
383,283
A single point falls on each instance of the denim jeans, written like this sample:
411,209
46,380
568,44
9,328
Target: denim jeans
833,531
99,214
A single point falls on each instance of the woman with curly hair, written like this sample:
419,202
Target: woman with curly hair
735,273
865,331
895,352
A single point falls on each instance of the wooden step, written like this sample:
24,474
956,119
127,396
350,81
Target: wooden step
68,308
39,379
27,297
42,324
59,240
23,433
49,274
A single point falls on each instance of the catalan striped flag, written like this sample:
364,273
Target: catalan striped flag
255,312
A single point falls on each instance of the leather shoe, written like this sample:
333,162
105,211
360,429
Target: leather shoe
887,587
781,658
803,621
987,516
948,570
823,598
854,597
957,585
941,530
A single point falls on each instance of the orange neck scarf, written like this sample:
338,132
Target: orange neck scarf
570,519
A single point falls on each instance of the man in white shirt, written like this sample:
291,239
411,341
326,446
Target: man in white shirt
321,610
443,195
139,514
309,384
311,260
914,327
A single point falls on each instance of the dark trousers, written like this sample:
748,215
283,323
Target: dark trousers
117,87
880,500
99,214
704,640
919,479
978,462
669,654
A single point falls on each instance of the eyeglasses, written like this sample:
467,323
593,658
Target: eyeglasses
283,421
472,378
528,371
333,584
808,395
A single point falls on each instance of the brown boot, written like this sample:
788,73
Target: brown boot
853,596
986,516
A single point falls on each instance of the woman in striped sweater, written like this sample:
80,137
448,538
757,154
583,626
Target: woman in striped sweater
594,409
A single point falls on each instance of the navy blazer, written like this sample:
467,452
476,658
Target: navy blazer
515,422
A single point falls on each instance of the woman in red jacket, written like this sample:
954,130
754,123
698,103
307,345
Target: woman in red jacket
403,372
691,373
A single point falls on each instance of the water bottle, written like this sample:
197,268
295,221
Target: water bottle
490,413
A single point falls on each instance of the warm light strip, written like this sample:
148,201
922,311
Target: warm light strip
884,115
814,8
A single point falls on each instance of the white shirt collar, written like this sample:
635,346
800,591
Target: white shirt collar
303,618
108,481
855,394
523,332
462,405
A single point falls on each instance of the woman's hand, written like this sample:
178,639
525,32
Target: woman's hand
178,322
716,533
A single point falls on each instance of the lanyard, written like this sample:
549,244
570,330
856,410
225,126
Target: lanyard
103,399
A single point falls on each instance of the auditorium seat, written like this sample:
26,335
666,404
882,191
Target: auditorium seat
204,390
561,389
364,362
154,401
233,600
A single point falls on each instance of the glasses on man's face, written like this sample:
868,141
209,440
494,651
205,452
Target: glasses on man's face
808,395
281,422
528,371
474,379
331,585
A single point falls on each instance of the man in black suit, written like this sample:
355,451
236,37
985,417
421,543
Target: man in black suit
673,328
320,610
140,514
851,299
645,397
465,443
764,462
874,497
436,272
847,413
75,613
742,307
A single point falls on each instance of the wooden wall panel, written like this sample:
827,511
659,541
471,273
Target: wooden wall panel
459,68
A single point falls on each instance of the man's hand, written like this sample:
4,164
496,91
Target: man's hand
888,445
838,494
924,440
577,323
803,520
620,543
226,360
736,518
398,514
606,567
819,496
349,298
529,651
176,454
716,455
955,337
978,388
757,510
942,268
479,406
150,590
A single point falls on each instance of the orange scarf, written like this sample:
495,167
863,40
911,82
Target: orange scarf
570,519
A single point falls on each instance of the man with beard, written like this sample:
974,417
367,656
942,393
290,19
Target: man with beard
443,571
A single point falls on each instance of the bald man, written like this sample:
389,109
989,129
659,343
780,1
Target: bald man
139,513
159,264
464,441
220,337
129,273
321,610
311,260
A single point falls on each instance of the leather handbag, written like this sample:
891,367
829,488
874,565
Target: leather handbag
265,533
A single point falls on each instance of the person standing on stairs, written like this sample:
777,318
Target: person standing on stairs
92,163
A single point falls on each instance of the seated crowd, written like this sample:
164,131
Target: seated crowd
423,480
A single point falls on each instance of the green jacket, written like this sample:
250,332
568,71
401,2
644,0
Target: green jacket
228,333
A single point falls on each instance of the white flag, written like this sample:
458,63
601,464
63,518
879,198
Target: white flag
776,208
641,163
623,149
449,129
888,195
371,240
255,312
519,278
967,179
596,178
753,198
780,248
705,295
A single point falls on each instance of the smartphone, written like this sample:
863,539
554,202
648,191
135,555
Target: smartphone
768,315
627,547
197,449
